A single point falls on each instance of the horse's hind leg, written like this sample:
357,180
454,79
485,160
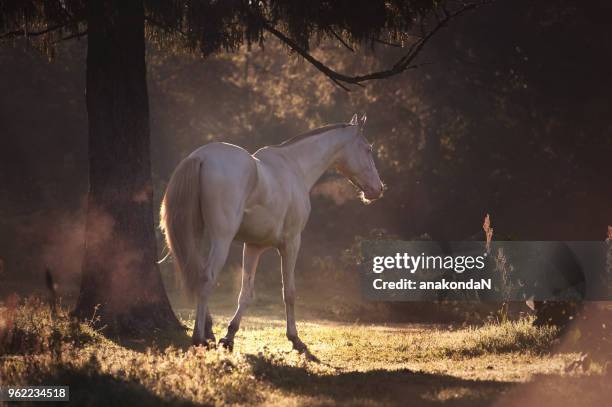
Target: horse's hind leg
222,203
250,258
219,249
209,336
208,328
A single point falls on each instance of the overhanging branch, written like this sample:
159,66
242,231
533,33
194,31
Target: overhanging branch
387,43
78,34
164,27
341,40
24,32
402,64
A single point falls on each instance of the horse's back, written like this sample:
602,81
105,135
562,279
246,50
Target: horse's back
228,161
219,154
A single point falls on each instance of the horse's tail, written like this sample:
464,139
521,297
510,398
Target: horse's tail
182,223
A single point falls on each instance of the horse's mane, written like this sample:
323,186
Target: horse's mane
311,133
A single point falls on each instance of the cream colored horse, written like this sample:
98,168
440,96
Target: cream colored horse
222,193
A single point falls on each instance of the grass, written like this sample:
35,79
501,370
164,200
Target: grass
360,364
507,337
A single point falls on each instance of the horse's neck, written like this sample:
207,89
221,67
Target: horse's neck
316,154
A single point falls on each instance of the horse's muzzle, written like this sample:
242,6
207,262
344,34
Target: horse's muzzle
372,194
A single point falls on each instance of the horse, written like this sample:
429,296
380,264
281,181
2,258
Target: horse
221,193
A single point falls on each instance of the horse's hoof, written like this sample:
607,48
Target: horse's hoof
299,345
206,343
302,349
227,343
197,342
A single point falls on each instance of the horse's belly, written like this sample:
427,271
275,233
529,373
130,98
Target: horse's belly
259,227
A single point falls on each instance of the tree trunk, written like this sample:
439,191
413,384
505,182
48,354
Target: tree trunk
121,282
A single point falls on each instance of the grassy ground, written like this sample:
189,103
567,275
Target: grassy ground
369,365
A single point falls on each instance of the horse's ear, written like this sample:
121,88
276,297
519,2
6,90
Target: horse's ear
355,120
362,121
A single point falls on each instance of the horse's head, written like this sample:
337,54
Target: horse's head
356,162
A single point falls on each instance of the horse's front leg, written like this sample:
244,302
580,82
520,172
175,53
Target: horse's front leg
289,251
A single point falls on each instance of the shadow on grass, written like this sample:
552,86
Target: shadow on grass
88,387
561,391
157,339
386,387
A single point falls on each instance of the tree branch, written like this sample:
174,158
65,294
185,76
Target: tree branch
339,38
402,64
164,27
72,36
390,44
23,32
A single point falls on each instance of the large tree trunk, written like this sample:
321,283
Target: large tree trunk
120,272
